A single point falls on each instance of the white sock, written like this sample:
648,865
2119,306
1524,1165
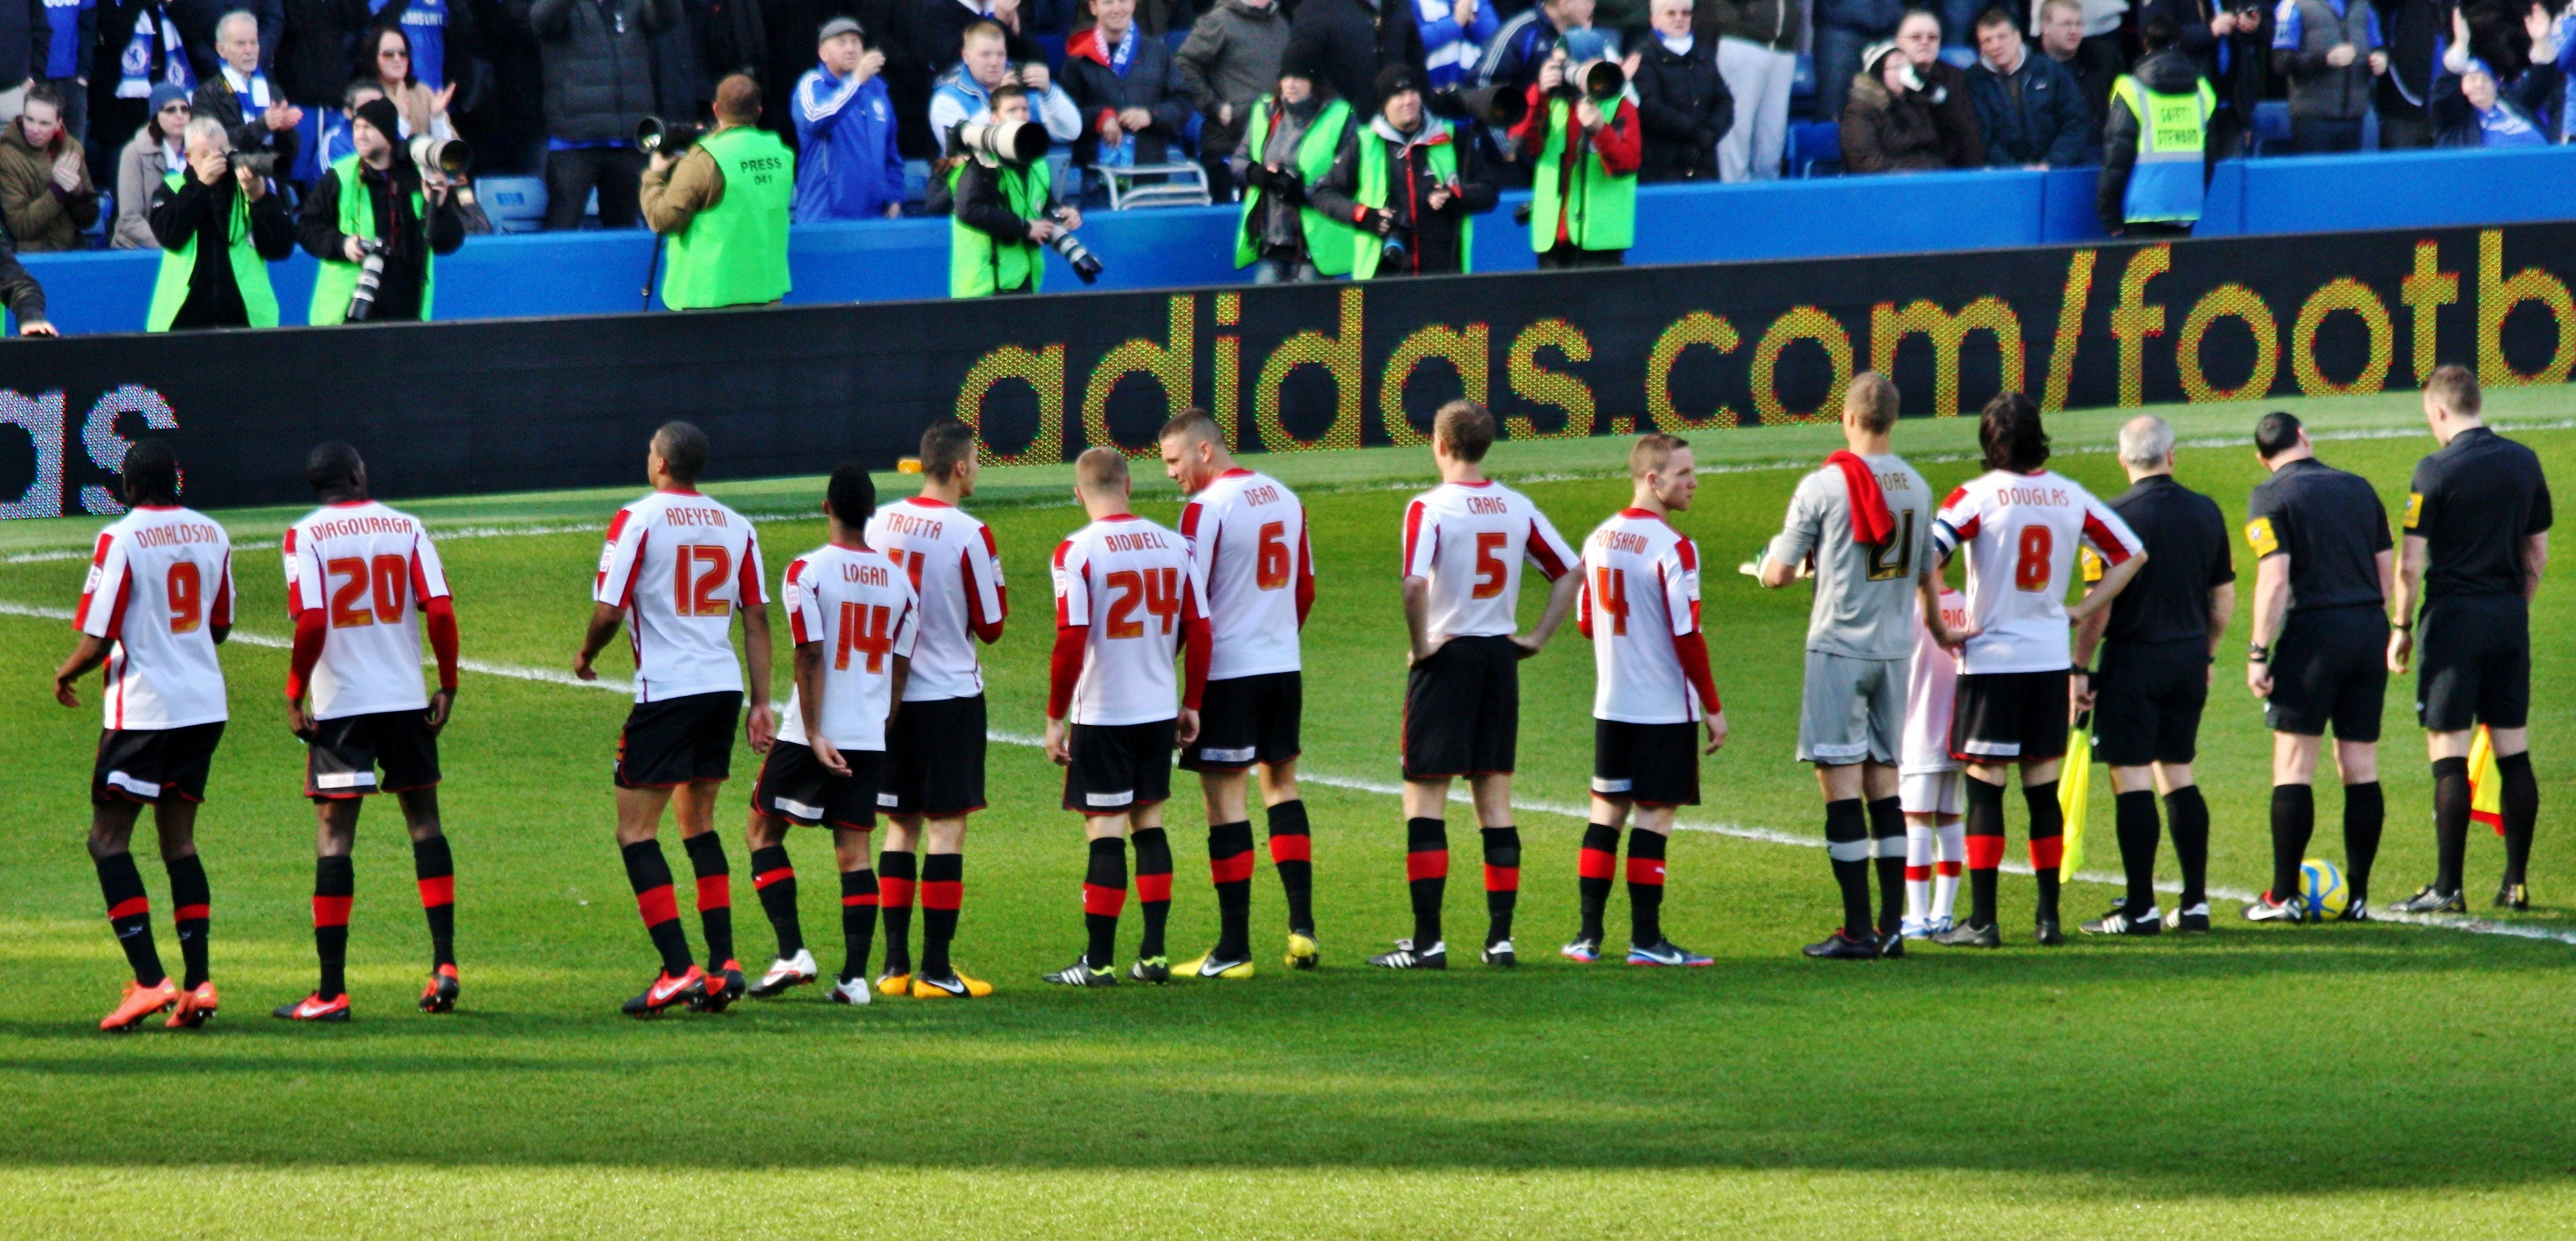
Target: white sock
1953,854
1918,868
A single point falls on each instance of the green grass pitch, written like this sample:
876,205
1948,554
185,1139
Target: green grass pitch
2322,1079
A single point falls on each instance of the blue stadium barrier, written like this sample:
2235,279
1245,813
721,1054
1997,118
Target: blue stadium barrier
598,272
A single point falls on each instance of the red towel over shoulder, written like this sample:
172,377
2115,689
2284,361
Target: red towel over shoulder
1872,523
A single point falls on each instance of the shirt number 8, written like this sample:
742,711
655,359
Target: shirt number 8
2031,571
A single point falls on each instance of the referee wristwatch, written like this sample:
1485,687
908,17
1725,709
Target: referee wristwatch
2260,654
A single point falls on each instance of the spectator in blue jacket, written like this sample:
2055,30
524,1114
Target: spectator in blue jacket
2471,109
2032,109
65,58
1453,38
847,167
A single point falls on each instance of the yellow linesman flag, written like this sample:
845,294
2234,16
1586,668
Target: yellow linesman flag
2486,783
2074,780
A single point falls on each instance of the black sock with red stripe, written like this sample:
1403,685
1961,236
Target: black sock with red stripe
1502,881
335,884
774,878
1104,897
191,904
650,876
715,895
1985,840
943,888
1646,887
1847,848
1230,867
1292,854
1153,887
435,868
1426,872
1593,867
858,921
2047,843
129,914
1887,841
894,902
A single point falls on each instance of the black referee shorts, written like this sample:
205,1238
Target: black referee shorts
1462,709
2473,663
1247,720
2147,701
2330,667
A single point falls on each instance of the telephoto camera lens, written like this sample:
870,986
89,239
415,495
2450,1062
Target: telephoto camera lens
1011,142
672,138
371,272
260,163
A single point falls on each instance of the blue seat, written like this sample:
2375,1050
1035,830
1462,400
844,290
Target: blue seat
1815,149
515,204
1802,82
2272,127
916,180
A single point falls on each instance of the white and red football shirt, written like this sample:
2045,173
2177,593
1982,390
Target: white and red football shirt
1247,544
680,563
159,582
1124,584
954,568
1469,541
2021,532
862,609
364,573
1640,606
1930,687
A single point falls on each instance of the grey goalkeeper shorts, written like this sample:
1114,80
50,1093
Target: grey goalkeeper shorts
1854,710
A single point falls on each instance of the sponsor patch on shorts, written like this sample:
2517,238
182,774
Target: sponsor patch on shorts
140,788
345,780
1600,785
797,808
1110,799
1243,754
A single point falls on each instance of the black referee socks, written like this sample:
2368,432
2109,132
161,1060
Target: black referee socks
129,914
1887,841
2520,795
2364,812
1502,882
2134,820
1292,854
774,879
1847,845
2450,821
191,905
2189,815
1426,872
1594,867
2294,820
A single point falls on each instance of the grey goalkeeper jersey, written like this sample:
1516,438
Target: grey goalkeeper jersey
1865,601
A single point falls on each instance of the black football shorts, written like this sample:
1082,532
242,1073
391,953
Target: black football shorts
1649,764
797,787
934,762
2330,667
1462,709
1247,720
149,764
341,757
2473,663
2147,701
2008,717
679,740
1118,767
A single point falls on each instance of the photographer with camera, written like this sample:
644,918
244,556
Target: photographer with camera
378,210
723,204
965,93
1289,147
1006,207
1584,146
254,113
219,228
1410,182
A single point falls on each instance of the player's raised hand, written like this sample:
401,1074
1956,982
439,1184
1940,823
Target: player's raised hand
1715,723
761,729
1057,748
828,755
441,705
1188,729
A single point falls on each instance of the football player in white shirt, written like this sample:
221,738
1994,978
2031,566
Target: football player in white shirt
1247,541
1930,784
1864,520
361,580
934,768
2019,525
1464,544
854,616
158,602
1125,604
1652,696
677,568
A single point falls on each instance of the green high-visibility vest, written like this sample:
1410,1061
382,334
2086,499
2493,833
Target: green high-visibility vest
2166,185
1377,159
735,252
1601,209
339,277
250,271
977,265
1328,241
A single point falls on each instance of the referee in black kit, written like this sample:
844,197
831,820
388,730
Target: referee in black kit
2477,538
2159,642
2321,582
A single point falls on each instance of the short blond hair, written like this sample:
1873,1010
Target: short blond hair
1195,424
1652,452
2455,388
1466,427
1100,469
1872,399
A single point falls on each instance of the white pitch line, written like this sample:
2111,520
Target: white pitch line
1764,835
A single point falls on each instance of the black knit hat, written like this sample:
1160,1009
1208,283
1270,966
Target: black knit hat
1394,80
381,113
1299,62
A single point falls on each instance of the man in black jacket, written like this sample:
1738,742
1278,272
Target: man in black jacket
1417,199
24,297
198,216
1682,100
1122,79
391,184
239,96
2226,40
599,87
1350,41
